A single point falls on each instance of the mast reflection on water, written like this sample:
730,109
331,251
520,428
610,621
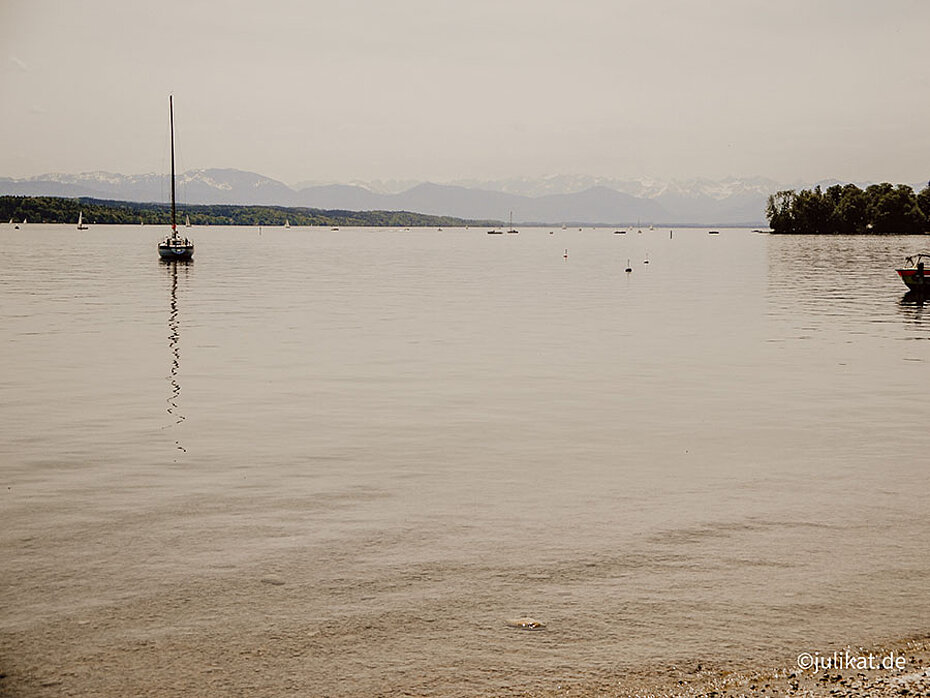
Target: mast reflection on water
174,345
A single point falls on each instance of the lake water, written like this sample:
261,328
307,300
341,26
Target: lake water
337,462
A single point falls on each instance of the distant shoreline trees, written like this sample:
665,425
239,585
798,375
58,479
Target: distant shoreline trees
879,209
53,209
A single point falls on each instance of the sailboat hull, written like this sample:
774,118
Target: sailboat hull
175,252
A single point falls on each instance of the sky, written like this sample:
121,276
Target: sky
443,90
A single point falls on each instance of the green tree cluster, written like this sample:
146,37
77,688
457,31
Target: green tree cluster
879,209
52,209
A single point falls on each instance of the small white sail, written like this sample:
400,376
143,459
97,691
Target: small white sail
187,221
287,223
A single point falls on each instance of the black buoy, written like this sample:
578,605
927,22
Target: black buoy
628,267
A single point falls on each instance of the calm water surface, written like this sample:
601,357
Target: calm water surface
722,454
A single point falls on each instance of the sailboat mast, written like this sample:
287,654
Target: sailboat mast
174,215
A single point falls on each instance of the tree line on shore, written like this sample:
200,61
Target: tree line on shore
53,209
879,209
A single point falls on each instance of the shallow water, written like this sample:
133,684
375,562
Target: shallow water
383,444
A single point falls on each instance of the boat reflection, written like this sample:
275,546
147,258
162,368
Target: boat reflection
175,268
912,305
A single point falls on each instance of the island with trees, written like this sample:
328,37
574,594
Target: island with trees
879,209
53,209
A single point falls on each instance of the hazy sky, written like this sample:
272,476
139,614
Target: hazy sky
441,90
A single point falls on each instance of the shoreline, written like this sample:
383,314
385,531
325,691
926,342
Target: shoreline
893,669
107,671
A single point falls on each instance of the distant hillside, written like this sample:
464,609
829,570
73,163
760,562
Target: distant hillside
571,200
49,209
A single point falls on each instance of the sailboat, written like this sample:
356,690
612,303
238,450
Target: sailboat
287,223
187,221
81,225
174,247
512,229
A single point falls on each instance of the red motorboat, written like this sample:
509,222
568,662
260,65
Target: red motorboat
912,274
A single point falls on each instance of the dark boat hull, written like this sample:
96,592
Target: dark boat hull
915,279
175,252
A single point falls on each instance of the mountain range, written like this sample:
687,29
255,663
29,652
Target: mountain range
553,200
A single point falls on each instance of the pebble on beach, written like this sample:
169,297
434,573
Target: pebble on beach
526,624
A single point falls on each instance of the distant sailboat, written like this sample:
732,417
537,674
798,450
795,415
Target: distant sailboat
81,225
287,223
512,230
187,221
174,247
